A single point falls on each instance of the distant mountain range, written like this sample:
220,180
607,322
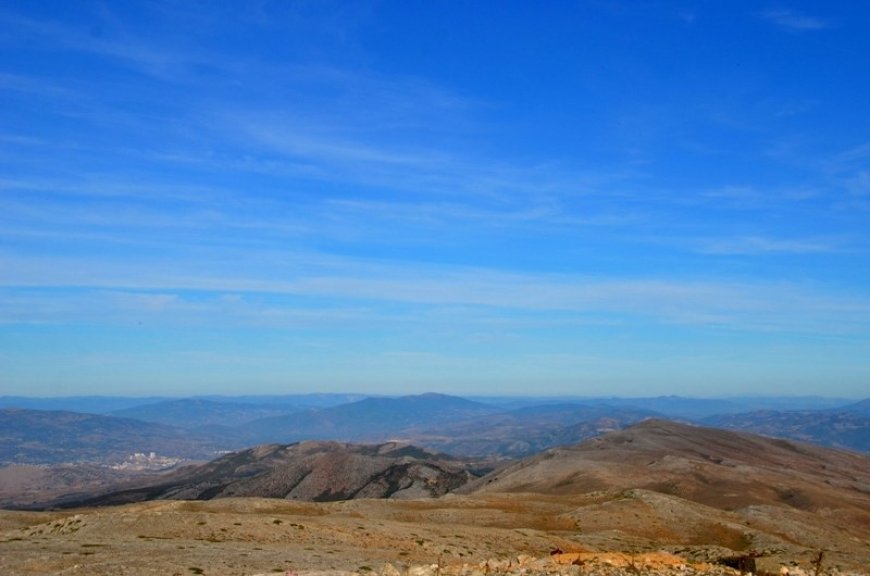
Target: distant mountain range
678,407
521,432
201,428
195,413
117,404
847,427
370,419
44,437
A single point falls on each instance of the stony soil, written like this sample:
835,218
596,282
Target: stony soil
452,536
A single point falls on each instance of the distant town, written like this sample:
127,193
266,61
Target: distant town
140,461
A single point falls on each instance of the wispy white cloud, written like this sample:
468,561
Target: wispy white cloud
346,283
793,20
36,87
767,245
298,141
20,140
855,157
792,198
859,185
742,196
533,212
400,160
404,134
795,108
687,17
849,171
112,42
161,309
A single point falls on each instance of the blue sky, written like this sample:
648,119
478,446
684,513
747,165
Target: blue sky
591,198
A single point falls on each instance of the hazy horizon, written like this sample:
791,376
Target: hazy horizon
569,199
476,397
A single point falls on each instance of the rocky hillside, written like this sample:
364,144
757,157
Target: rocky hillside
312,470
665,482
714,467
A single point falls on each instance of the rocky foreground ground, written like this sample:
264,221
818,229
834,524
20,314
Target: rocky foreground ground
484,536
584,564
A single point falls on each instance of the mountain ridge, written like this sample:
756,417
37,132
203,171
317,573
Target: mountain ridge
695,462
374,418
318,471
